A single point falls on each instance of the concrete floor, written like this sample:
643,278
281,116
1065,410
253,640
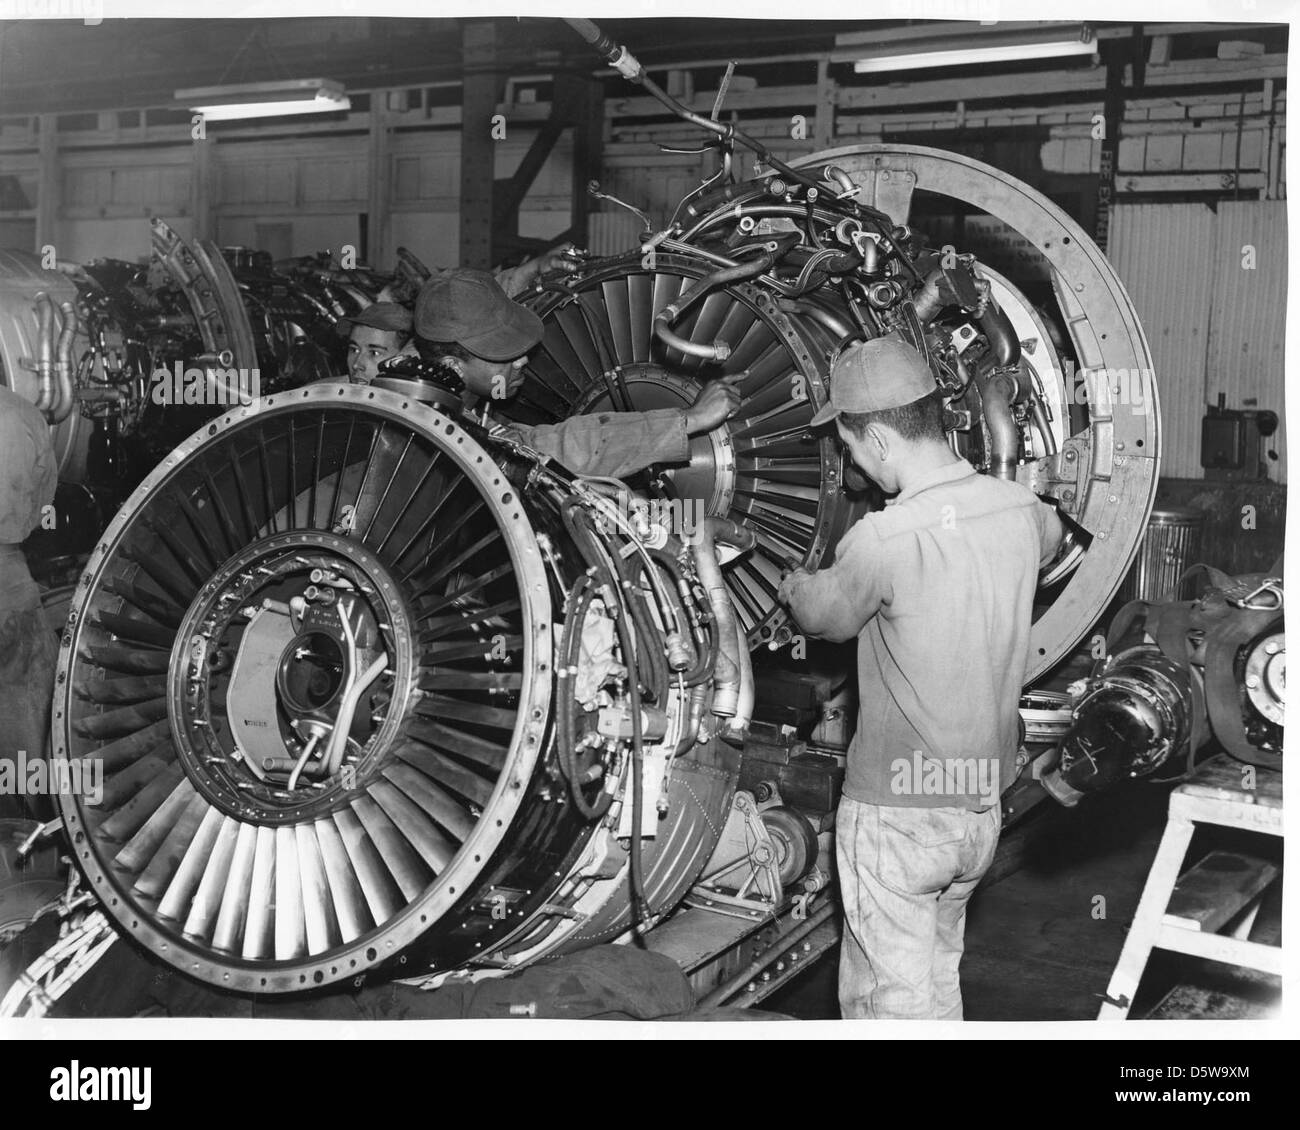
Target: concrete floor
1041,946
1041,942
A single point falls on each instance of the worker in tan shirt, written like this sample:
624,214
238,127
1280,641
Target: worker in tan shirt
938,588
28,476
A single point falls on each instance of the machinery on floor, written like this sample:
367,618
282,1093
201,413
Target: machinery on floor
1181,673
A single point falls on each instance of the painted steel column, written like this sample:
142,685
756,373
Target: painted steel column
202,171
480,95
49,186
380,168
1113,118
588,144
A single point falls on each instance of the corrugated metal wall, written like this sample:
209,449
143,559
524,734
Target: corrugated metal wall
1248,311
613,232
1216,322
1162,253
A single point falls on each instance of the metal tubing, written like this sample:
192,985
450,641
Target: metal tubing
997,391
997,328
823,318
64,366
739,723
727,674
718,350
44,352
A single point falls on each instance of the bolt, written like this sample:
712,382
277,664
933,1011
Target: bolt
1252,681
1271,648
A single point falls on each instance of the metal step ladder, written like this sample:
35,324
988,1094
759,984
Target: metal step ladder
1184,911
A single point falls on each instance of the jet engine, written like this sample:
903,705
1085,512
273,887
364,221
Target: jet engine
769,277
371,688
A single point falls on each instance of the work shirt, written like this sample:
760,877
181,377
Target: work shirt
28,476
609,443
939,588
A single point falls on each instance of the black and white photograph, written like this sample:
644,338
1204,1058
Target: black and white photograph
681,516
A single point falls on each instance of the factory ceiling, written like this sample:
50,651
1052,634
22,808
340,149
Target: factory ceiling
51,66
64,65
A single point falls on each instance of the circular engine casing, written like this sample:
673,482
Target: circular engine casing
352,578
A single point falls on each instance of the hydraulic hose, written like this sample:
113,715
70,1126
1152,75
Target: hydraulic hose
580,598
640,906
719,350
705,640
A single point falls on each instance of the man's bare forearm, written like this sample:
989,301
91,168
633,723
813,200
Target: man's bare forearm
817,603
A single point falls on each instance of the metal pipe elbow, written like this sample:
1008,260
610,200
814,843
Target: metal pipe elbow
727,677
730,532
1004,346
739,723
63,365
997,391
717,351
709,351
45,392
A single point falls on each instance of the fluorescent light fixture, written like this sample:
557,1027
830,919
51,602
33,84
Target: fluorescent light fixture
953,48
265,99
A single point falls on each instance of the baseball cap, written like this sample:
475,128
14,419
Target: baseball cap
870,376
379,316
470,308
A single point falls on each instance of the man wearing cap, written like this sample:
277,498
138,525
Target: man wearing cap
28,477
380,331
464,320
939,589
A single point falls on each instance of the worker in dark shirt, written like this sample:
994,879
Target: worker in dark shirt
28,476
464,320
938,587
